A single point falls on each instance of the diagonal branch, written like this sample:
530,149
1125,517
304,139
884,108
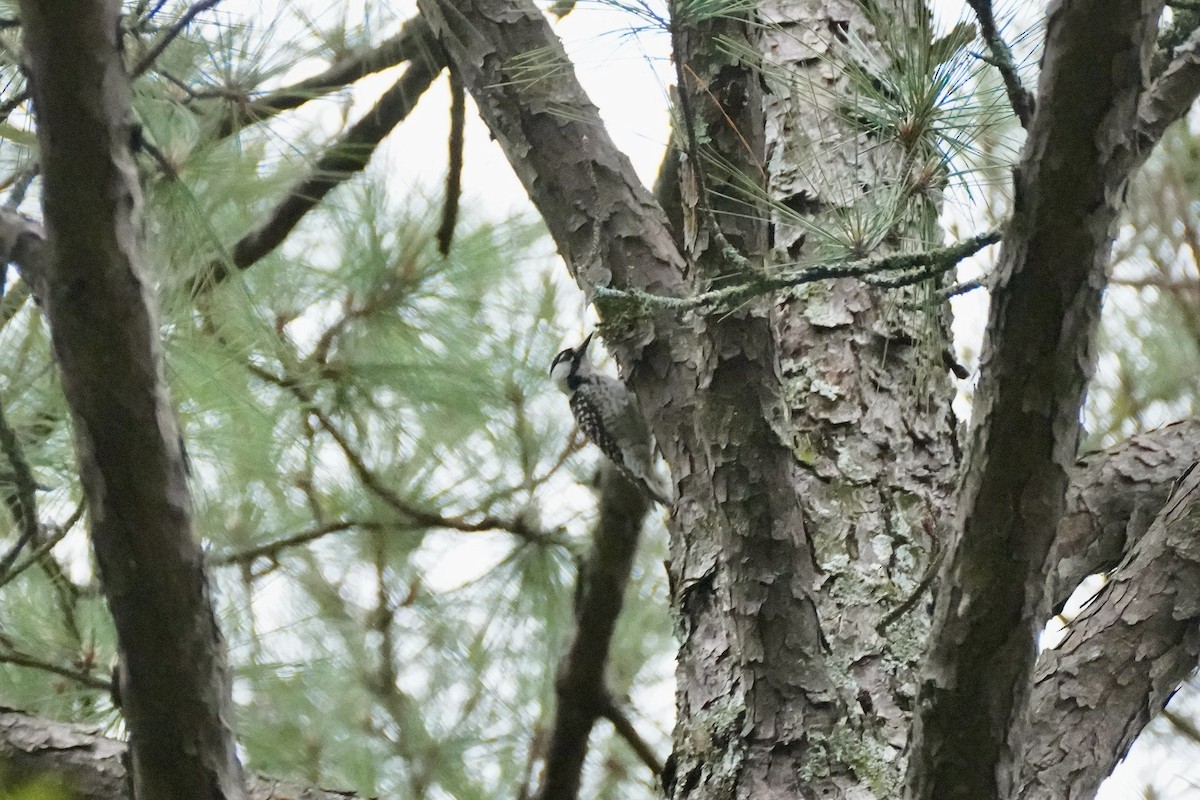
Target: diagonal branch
271,550
1018,96
20,497
52,567
579,687
1039,352
1171,94
19,659
623,725
1123,658
170,35
414,42
347,156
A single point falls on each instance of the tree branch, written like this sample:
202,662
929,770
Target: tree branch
625,729
20,496
271,550
44,549
8,656
1115,494
458,113
927,263
170,35
414,42
1018,96
1171,94
1123,658
580,687
92,767
1038,352
349,155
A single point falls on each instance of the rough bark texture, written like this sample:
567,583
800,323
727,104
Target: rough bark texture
1122,660
753,697
89,766
752,657
874,443
1115,494
1036,362
174,681
1110,492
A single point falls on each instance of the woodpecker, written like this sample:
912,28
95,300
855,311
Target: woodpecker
608,414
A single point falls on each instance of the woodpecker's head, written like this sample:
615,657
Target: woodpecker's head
571,366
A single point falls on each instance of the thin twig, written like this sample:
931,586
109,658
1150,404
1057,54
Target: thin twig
45,547
9,105
102,683
157,49
1158,282
20,185
1018,96
22,498
625,729
271,550
926,263
931,570
962,288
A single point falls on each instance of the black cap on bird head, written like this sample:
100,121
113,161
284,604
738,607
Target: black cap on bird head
572,353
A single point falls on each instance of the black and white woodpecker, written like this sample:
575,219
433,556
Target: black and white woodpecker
609,416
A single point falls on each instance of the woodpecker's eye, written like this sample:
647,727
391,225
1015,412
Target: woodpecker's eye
565,355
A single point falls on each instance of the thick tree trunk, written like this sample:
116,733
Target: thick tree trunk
872,427
752,681
752,658
173,678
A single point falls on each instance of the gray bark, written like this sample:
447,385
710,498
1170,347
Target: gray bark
89,766
1122,660
1115,494
174,681
752,658
872,428
1037,359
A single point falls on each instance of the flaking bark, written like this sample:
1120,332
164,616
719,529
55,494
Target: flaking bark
40,752
1122,660
872,429
752,644
1037,359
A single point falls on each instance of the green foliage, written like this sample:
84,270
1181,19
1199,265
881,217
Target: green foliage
37,789
1150,334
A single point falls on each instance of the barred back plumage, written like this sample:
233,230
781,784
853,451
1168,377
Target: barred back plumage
607,413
